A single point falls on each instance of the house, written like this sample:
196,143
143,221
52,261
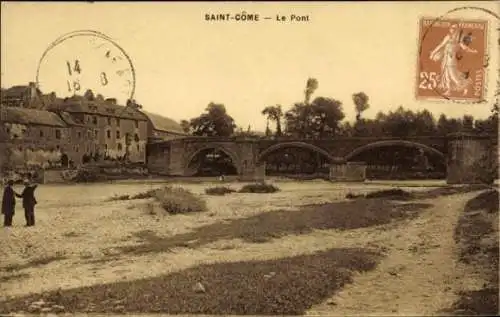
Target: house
162,128
44,130
32,137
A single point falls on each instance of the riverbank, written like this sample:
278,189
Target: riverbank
305,249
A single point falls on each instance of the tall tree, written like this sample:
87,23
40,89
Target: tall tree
360,100
424,123
215,121
298,120
326,116
311,86
274,113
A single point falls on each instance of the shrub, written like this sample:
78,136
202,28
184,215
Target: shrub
144,195
219,190
488,169
353,196
259,188
179,200
87,176
395,193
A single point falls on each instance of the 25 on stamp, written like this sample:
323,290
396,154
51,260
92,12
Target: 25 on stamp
451,59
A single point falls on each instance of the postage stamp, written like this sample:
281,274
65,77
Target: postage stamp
451,59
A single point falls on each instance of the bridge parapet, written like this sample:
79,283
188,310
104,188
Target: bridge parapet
248,153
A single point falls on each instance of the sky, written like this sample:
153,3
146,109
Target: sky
183,62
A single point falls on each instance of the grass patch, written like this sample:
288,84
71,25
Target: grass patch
33,263
219,191
259,188
177,200
174,200
393,193
143,195
286,286
266,226
477,236
11,277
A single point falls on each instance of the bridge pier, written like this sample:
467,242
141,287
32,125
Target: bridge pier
470,159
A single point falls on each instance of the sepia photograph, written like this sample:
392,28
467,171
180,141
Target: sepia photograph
249,158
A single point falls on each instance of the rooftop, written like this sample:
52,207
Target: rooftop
17,92
31,116
163,123
105,108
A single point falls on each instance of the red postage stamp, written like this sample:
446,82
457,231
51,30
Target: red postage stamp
451,59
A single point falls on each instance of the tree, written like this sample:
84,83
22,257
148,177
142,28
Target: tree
311,86
360,100
186,127
298,120
326,115
424,123
213,122
274,113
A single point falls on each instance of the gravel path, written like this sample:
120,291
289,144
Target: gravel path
419,276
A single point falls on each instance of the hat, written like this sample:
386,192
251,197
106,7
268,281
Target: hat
10,182
26,181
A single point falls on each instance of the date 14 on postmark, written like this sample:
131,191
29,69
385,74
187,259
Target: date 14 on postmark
451,59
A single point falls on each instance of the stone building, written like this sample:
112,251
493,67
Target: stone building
161,128
115,131
46,131
32,137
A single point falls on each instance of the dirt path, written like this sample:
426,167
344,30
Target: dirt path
420,275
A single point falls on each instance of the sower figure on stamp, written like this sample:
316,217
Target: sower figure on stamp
29,202
451,78
8,204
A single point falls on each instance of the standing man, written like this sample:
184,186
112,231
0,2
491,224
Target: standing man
29,202
8,204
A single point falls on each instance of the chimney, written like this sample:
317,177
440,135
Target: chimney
32,87
111,101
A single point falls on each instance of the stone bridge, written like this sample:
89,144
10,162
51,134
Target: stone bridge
459,151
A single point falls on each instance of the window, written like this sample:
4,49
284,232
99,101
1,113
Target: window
77,148
109,120
136,124
94,120
117,134
138,147
58,134
109,134
79,134
96,133
136,137
41,133
105,147
118,121
57,147
119,146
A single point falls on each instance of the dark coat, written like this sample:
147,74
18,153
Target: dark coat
28,196
8,201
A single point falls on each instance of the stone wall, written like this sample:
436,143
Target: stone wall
469,155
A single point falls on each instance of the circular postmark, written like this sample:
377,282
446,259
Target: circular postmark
453,57
86,60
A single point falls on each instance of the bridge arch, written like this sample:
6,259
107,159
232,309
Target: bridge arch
302,145
232,155
387,143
